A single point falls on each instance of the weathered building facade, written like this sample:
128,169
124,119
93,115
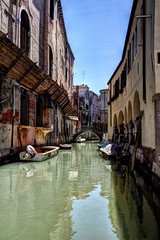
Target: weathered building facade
36,75
93,108
134,87
104,108
81,102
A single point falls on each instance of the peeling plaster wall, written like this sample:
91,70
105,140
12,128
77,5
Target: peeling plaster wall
40,39
24,134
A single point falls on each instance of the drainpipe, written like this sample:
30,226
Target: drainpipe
13,115
46,36
144,52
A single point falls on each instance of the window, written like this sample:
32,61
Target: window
52,9
25,32
129,58
50,62
1,99
24,107
158,58
135,43
110,95
63,65
0,16
39,112
66,53
66,74
133,49
117,88
124,76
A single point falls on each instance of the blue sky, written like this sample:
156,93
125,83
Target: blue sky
96,31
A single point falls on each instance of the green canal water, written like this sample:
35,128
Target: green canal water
76,195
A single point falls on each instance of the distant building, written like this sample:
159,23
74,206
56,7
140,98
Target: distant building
104,108
93,108
135,85
81,103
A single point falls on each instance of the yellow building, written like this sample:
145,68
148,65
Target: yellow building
135,85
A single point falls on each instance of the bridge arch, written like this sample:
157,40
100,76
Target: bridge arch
84,132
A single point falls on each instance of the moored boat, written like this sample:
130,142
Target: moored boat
80,139
116,152
103,144
40,154
65,146
109,151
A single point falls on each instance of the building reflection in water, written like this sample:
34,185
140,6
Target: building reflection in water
72,194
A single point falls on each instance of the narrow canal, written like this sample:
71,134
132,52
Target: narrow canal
76,195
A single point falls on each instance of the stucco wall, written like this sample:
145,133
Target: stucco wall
134,83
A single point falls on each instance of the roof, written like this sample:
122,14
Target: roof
63,26
104,90
16,65
127,37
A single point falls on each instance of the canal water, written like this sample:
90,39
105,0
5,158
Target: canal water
76,195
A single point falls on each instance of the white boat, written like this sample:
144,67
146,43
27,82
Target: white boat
65,146
80,139
42,154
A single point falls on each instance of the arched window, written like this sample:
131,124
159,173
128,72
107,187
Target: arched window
50,62
52,9
25,32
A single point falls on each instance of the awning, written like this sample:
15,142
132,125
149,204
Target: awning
16,65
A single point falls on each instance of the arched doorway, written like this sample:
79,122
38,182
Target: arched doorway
115,121
120,118
121,126
125,115
136,105
129,111
25,32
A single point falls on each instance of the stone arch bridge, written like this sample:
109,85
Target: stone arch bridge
85,130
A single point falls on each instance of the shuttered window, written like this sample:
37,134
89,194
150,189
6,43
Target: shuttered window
129,58
135,43
117,88
124,76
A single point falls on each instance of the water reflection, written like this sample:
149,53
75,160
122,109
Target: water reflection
130,212
75,195
90,216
